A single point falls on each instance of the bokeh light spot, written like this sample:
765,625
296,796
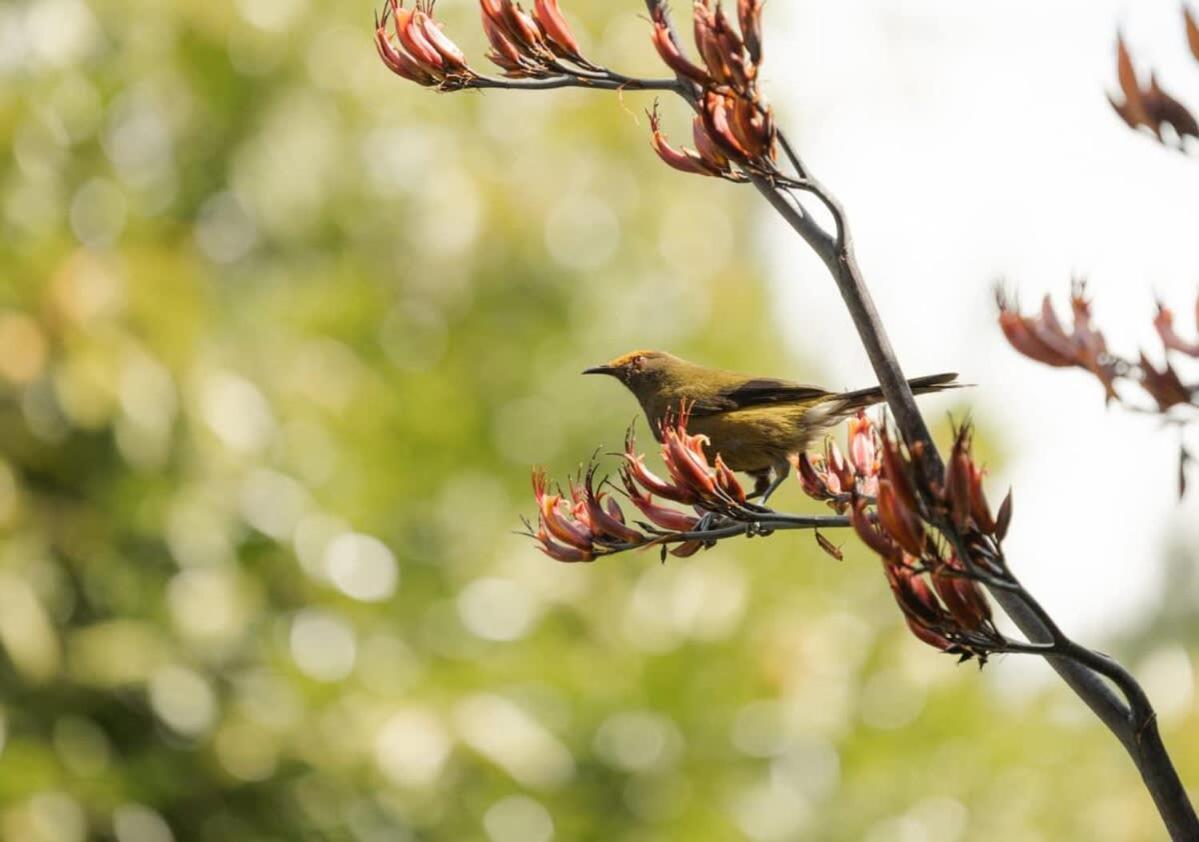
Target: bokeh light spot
518,818
362,567
323,645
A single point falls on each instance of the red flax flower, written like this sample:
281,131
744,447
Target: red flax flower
710,485
589,522
1149,105
920,528
833,478
527,45
417,49
735,124
1164,324
1043,338
706,159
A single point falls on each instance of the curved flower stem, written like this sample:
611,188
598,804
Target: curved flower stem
1132,722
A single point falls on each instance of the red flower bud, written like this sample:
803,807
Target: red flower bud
961,596
810,479
549,17
663,517
635,468
687,468
980,509
727,481
871,535
684,160
670,53
447,49
609,523
957,480
561,552
749,15
862,450
901,524
412,36
399,62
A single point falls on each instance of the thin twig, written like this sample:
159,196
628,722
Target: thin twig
607,83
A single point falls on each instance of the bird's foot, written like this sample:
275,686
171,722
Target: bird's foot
710,520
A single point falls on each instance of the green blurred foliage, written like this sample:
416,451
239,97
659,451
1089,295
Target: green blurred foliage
280,336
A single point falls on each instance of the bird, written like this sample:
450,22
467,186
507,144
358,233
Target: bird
756,424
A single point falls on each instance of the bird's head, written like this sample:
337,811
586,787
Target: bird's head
641,371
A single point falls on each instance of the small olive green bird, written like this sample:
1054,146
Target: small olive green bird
754,423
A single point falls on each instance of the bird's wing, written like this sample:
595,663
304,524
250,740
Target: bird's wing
761,391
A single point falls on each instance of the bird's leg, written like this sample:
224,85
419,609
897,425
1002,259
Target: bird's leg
762,485
778,480
706,522
781,472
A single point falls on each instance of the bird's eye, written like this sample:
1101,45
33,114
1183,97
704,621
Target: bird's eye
639,362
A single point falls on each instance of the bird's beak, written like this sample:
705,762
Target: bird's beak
600,369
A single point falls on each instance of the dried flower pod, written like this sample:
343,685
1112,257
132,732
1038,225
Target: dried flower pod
1004,519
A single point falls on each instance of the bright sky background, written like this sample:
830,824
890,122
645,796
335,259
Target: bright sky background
972,141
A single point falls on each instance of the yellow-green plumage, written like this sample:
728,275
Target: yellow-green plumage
754,423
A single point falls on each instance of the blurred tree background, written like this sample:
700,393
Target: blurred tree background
280,337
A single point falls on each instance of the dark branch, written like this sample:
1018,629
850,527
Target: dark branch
610,82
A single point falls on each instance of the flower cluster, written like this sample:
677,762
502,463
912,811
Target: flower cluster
1043,338
529,46
839,481
733,125
417,49
936,537
523,44
586,523
1149,105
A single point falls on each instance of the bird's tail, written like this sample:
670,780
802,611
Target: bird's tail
861,398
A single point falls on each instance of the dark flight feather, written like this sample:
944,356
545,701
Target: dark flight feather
765,391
